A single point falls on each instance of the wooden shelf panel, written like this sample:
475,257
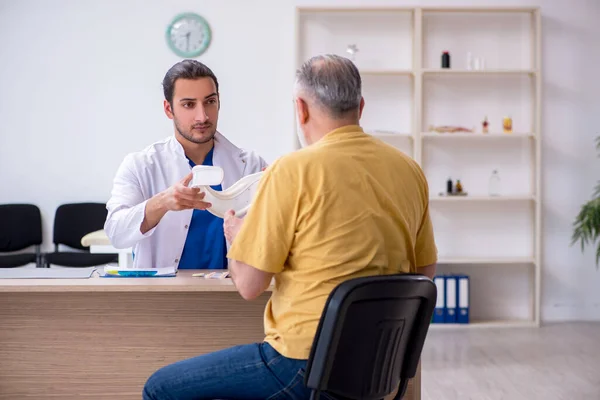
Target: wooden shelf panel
482,198
447,72
385,134
350,9
487,324
477,135
450,71
392,72
479,9
365,10
485,261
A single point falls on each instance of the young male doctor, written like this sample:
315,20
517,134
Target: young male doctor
151,208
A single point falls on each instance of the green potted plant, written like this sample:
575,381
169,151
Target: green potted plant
587,223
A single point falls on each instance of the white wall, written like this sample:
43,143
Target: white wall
80,88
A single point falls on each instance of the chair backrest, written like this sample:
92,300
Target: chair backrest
20,227
370,336
73,221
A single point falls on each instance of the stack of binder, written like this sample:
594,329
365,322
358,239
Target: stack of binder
452,305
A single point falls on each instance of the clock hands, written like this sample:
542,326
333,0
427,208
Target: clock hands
187,37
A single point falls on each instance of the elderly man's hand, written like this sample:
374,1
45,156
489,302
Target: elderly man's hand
231,225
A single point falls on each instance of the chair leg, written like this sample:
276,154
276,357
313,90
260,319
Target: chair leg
38,257
401,390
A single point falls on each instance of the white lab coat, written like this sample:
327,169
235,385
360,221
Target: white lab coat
142,175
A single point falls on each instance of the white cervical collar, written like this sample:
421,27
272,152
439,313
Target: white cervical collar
238,197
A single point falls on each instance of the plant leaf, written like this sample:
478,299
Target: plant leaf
586,227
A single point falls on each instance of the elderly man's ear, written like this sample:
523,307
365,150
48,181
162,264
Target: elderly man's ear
362,105
301,111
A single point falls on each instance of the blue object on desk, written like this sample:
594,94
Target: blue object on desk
132,274
118,272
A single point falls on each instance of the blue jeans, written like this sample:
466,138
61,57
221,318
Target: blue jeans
253,371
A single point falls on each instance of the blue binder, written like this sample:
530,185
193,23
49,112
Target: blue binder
440,305
451,299
463,299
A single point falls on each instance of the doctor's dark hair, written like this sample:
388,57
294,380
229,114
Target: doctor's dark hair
333,82
186,69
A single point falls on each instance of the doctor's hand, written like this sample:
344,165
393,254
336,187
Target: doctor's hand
176,198
181,197
231,225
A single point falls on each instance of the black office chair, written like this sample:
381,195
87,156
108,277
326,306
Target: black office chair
20,228
370,337
71,223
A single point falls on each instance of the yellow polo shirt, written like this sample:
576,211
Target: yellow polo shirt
345,207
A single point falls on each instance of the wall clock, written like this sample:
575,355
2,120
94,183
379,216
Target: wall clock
188,35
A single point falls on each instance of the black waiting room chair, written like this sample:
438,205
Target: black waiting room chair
20,228
370,337
71,223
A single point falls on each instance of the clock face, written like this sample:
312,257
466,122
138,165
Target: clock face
188,35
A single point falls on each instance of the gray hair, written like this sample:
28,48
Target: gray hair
333,82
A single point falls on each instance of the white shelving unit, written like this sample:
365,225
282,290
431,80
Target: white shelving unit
494,239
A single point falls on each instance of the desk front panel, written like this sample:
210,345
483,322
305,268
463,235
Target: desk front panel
104,345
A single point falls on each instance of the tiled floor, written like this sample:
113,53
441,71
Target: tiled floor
554,362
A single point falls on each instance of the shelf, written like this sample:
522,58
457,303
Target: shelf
388,101
476,135
450,71
358,9
388,134
487,324
465,100
392,72
480,9
407,92
485,261
482,198
383,37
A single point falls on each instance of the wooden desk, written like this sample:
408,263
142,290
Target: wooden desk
101,338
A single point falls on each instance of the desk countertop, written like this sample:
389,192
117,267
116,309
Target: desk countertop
183,282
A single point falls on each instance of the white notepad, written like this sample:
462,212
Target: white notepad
46,273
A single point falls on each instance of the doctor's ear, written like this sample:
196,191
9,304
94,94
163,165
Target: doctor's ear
168,109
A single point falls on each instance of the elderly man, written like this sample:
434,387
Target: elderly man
345,206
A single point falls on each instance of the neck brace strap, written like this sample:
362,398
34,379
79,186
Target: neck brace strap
238,197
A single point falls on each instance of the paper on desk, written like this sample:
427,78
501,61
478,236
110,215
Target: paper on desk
46,273
212,275
125,272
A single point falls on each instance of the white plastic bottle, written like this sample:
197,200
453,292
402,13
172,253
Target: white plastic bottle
494,184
